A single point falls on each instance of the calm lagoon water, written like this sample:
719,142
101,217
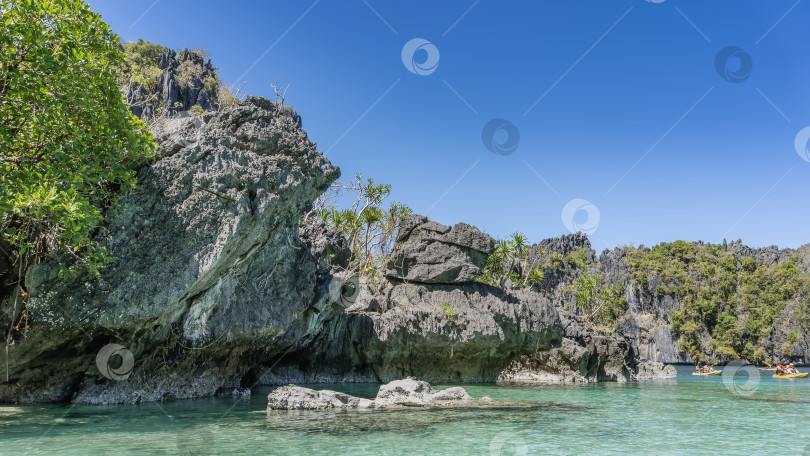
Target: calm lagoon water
687,415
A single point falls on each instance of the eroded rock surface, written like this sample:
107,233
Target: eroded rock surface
210,277
429,252
407,392
584,357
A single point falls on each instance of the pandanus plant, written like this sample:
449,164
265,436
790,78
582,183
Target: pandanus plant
369,228
510,261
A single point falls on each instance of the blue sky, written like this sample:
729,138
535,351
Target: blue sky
619,106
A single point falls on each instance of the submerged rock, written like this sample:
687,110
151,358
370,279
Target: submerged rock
407,392
293,397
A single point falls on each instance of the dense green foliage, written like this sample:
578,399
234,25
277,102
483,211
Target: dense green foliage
735,301
67,139
602,304
369,227
141,67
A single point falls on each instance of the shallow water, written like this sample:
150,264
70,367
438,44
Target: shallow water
689,414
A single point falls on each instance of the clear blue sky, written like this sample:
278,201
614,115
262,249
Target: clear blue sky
616,81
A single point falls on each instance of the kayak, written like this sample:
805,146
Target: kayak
799,375
706,374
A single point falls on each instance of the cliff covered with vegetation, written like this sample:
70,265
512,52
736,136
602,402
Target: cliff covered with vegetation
684,301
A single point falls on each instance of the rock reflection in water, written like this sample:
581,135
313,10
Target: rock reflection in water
407,420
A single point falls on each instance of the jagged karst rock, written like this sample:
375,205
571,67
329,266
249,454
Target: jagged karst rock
325,242
172,96
440,333
210,278
652,370
653,337
584,357
429,252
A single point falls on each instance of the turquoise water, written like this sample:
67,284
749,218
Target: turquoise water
694,415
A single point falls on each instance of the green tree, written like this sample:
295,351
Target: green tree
369,227
68,142
510,261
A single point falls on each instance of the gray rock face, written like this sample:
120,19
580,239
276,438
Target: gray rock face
651,370
584,358
325,242
447,333
210,277
440,333
428,252
653,337
407,392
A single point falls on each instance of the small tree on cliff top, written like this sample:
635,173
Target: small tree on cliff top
368,226
68,141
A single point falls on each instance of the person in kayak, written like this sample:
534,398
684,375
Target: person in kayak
791,369
699,368
780,369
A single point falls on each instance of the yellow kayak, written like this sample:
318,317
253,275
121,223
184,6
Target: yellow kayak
706,374
799,375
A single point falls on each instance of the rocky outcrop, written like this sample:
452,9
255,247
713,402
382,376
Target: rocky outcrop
210,278
584,357
429,252
416,393
440,333
407,392
293,397
186,80
652,336
651,297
